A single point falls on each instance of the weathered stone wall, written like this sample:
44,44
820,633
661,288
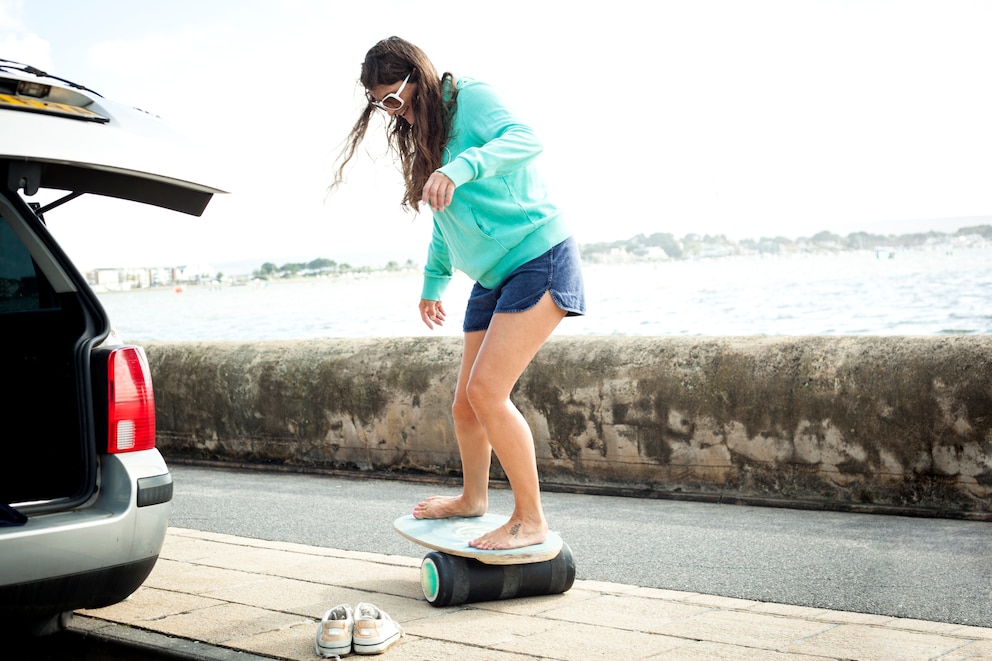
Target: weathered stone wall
900,422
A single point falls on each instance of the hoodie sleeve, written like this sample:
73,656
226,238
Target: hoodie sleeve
437,271
503,143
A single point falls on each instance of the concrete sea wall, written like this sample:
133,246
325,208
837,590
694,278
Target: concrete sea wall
899,424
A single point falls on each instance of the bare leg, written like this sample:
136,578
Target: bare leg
486,420
473,446
508,347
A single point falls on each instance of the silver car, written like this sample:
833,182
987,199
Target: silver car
84,494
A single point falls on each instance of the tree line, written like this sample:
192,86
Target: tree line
692,245
323,266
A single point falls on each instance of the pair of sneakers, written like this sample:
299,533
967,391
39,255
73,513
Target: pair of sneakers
366,630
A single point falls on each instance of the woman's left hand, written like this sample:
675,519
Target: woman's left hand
432,312
438,191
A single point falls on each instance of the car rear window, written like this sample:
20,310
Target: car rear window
22,288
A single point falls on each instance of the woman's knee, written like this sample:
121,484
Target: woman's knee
462,411
481,397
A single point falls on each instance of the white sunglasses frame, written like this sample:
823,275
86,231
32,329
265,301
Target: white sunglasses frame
395,95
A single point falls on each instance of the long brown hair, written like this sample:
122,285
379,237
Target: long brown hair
420,146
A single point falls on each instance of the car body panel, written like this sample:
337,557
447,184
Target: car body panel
109,531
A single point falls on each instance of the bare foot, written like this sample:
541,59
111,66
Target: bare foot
444,507
513,534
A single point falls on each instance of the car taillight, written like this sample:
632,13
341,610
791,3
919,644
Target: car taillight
130,401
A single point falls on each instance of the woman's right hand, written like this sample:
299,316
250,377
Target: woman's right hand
438,191
432,312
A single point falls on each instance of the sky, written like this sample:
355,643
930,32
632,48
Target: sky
747,118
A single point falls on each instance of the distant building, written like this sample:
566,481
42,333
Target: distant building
109,279
198,273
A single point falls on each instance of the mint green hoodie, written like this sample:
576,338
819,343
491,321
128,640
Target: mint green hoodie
500,216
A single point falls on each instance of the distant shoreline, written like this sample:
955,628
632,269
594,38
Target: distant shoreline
367,273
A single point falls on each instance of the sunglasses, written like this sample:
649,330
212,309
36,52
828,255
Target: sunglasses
391,101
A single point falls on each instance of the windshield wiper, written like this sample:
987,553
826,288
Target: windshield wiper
34,71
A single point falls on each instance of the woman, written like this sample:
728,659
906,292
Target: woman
470,160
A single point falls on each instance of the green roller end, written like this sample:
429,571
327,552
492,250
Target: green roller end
429,581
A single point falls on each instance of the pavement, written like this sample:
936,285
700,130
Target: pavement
217,597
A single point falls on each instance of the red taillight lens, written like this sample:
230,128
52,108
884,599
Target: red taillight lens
130,402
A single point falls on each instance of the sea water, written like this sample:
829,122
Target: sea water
916,292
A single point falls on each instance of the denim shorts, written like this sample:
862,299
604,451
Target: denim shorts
558,271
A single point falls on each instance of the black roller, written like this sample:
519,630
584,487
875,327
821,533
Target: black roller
450,580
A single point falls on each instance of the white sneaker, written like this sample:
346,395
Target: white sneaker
375,631
335,632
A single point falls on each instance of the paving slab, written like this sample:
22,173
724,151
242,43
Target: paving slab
216,597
